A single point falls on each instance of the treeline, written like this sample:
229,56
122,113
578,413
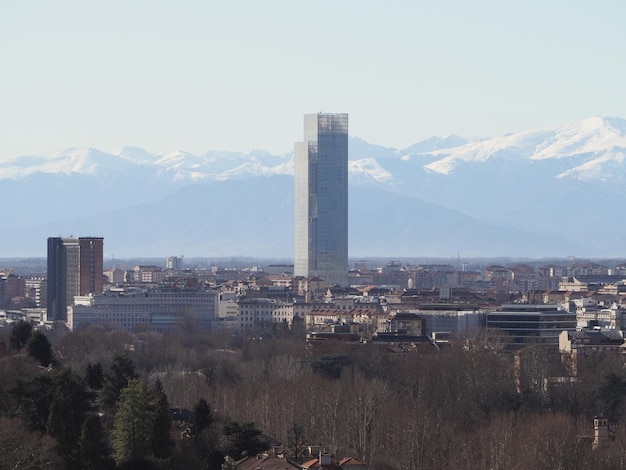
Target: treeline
470,405
55,413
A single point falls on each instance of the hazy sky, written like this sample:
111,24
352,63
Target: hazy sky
235,75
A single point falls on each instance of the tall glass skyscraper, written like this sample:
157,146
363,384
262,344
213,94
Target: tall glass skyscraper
321,199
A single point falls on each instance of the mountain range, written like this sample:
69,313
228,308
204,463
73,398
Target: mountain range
551,192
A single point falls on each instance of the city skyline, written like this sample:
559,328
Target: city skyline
207,75
321,199
479,198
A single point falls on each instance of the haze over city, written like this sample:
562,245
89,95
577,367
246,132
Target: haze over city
407,212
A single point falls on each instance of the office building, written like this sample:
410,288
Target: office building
158,309
531,324
321,199
74,268
91,268
453,320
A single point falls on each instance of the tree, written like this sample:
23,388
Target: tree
298,327
162,444
296,440
243,439
366,400
40,349
93,451
94,374
611,396
22,449
20,332
331,365
33,399
201,417
68,410
122,371
205,438
133,425
60,424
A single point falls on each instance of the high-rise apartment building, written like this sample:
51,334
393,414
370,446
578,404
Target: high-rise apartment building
174,263
75,267
321,199
91,265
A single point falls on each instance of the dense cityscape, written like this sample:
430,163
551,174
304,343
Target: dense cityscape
312,235
440,301
327,362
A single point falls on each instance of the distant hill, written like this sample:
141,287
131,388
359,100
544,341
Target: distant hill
548,192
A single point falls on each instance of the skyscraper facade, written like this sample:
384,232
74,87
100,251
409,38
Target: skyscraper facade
75,267
90,265
321,199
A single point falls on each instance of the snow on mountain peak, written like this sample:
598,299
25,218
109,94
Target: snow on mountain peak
592,135
593,148
436,143
369,168
136,155
80,160
84,160
598,140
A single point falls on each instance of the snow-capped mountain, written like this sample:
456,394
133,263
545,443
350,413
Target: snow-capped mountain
73,160
547,192
590,149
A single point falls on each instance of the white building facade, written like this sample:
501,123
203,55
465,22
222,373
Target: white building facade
257,315
155,309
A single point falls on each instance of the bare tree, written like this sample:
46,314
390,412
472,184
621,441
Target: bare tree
296,441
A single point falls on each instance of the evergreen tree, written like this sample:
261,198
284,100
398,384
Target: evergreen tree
60,423
94,374
33,399
205,439
201,417
243,439
162,444
121,372
39,348
133,425
20,332
68,410
80,398
54,403
93,451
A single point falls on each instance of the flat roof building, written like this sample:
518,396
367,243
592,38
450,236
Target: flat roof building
526,324
158,309
75,267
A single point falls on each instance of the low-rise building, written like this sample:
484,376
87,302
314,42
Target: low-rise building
148,274
525,324
582,345
592,340
327,314
259,314
325,461
114,276
451,319
157,309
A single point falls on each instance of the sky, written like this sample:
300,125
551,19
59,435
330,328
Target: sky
201,75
